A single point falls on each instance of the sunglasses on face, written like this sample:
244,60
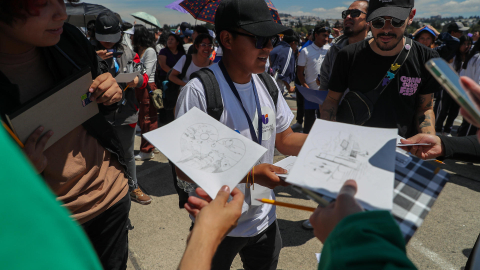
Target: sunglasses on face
260,42
354,13
209,46
379,22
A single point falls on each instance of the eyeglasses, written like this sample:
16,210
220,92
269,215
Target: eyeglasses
260,42
379,22
210,46
354,13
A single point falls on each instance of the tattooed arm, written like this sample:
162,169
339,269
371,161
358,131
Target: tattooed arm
425,118
328,110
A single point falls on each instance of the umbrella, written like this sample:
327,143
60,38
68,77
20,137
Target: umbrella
146,18
176,6
81,13
204,10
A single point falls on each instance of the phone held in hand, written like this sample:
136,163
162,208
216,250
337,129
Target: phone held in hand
449,79
117,54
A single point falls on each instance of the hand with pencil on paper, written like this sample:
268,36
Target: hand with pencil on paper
214,219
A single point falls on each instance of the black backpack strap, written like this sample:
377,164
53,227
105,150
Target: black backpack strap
185,66
271,86
212,92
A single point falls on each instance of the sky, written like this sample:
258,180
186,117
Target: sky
321,8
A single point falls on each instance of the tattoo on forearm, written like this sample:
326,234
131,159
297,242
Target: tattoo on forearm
330,113
424,121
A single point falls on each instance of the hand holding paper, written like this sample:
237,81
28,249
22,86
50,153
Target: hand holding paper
105,90
431,147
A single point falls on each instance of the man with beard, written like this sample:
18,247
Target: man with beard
406,102
355,28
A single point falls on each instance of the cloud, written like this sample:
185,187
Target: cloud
333,13
427,8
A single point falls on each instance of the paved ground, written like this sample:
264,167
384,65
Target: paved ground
444,241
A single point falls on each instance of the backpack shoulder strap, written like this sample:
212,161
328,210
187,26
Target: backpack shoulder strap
271,86
188,61
212,92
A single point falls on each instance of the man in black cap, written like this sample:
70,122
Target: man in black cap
245,30
393,66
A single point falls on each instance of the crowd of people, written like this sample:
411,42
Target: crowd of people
254,62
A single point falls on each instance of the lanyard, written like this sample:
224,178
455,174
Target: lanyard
259,110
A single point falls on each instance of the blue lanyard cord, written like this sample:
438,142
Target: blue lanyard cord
257,101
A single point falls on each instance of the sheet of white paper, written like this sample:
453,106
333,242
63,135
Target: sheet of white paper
126,77
412,144
207,151
335,152
287,164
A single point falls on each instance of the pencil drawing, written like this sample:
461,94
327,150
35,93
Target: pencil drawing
337,158
202,149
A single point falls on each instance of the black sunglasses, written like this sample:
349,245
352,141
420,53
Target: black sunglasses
354,13
260,42
379,22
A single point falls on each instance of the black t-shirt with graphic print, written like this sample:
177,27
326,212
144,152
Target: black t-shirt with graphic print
357,67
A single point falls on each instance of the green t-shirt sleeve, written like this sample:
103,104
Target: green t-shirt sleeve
368,240
36,232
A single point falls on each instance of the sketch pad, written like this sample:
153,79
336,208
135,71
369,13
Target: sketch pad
126,77
207,151
335,152
60,109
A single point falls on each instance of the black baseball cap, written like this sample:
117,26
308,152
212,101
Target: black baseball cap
252,16
457,27
399,9
108,27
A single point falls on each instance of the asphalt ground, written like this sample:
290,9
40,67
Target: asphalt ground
444,241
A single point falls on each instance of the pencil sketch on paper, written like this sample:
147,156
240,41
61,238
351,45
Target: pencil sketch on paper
337,158
203,150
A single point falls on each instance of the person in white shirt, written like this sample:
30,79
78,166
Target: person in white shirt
308,67
253,114
203,47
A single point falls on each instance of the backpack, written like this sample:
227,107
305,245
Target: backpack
170,89
213,95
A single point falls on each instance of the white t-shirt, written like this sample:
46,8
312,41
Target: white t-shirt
191,69
254,219
312,58
187,46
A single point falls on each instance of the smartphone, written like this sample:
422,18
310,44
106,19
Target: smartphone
117,54
449,79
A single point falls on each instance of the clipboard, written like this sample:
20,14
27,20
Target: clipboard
61,109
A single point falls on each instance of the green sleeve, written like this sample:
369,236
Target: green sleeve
36,232
368,240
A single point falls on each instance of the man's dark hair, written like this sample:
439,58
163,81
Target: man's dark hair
91,28
142,38
11,10
293,37
126,26
200,29
199,40
183,26
321,28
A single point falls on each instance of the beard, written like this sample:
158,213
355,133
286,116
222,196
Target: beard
387,47
349,32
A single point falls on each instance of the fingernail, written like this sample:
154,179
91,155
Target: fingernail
90,90
226,189
50,133
41,129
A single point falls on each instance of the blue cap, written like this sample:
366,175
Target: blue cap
187,33
425,29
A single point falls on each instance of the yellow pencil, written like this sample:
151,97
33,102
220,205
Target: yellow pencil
12,134
289,205
438,161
